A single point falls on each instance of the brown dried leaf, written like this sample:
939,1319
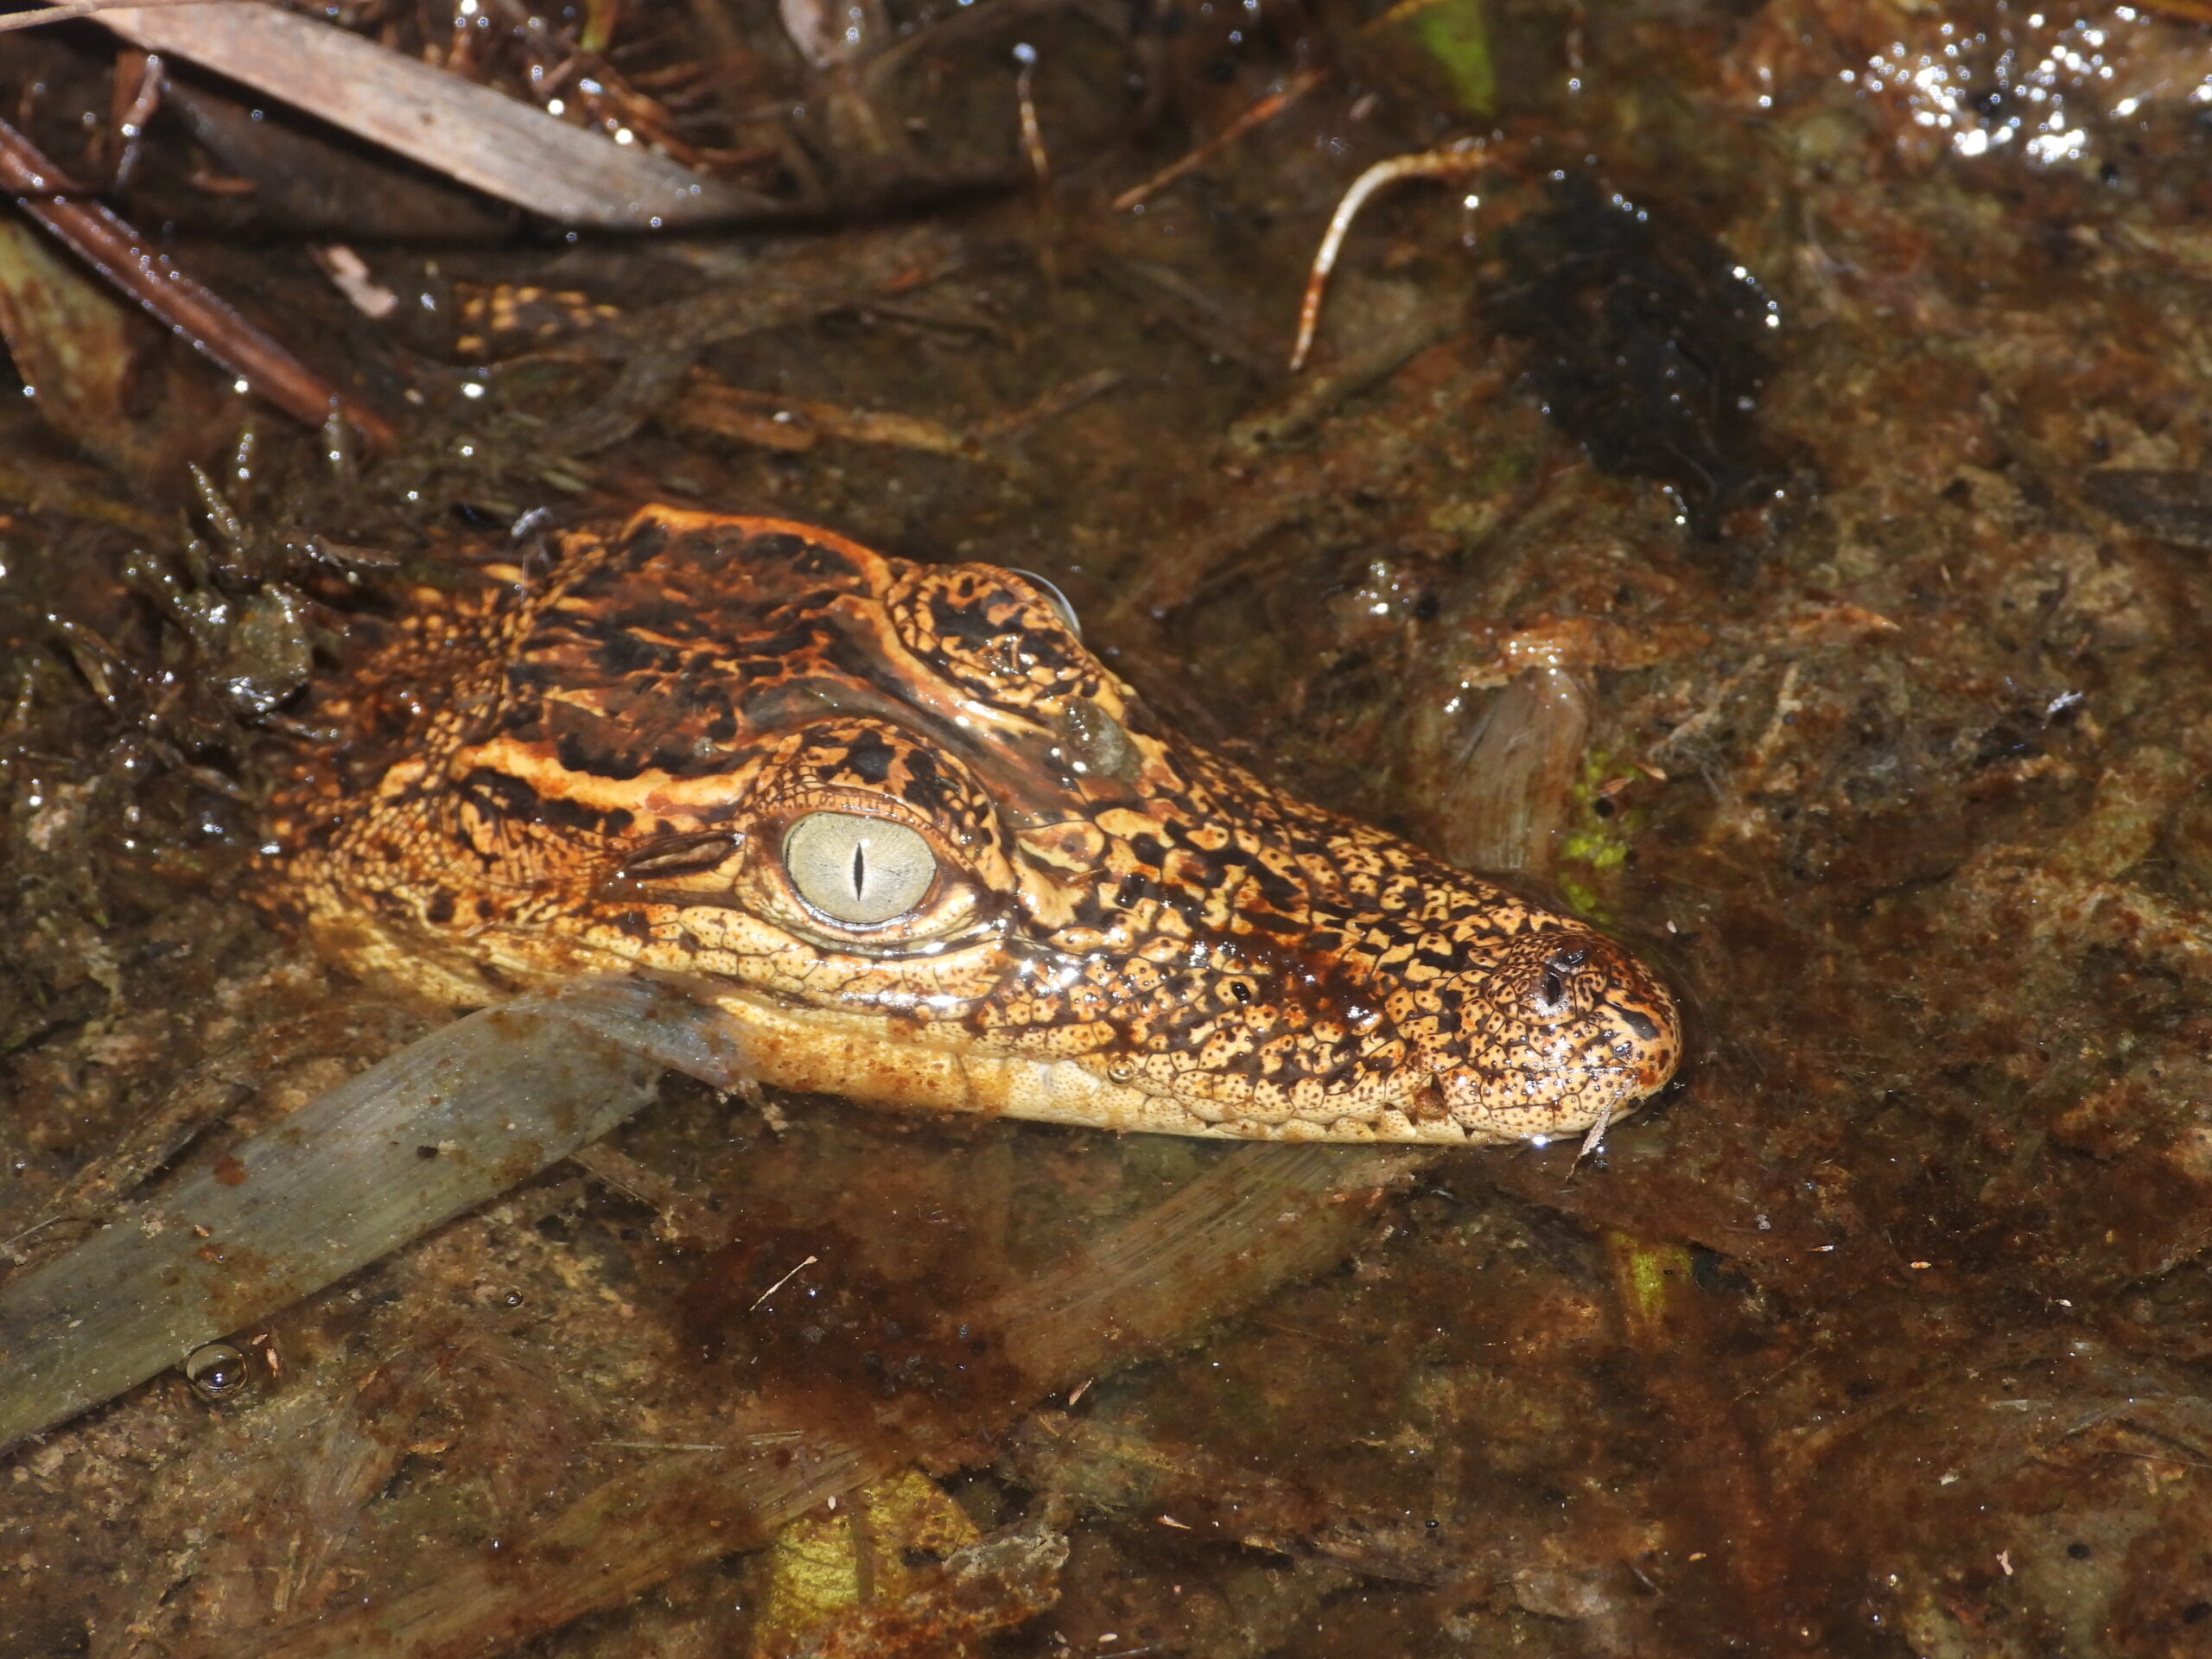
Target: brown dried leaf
468,132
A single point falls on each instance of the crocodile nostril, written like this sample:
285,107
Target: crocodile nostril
1552,992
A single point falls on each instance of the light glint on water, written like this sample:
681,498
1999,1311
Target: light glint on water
2003,86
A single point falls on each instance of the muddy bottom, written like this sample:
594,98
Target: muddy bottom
1818,389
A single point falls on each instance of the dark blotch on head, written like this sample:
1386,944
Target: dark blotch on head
926,784
577,756
500,794
779,544
1640,1024
813,559
868,758
574,815
622,651
968,625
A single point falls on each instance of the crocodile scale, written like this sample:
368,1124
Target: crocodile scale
593,766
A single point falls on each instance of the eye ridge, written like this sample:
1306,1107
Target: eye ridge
1053,597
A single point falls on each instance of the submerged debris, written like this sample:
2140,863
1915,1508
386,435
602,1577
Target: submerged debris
2174,506
103,240
497,145
1650,345
366,1167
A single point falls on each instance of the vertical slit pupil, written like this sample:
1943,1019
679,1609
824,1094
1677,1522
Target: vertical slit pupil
860,868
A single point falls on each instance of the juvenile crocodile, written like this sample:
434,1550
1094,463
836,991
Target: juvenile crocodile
931,853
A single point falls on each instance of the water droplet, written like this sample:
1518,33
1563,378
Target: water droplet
216,1371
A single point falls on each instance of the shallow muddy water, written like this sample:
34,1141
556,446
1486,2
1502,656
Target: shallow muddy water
1821,386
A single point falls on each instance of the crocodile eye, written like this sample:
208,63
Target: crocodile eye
858,870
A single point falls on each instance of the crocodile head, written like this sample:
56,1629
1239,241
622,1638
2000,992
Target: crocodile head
930,852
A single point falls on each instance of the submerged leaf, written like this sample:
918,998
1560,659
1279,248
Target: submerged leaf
1457,39
105,379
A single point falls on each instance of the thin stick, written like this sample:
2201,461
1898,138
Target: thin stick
1040,164
1467,156
106,242
79,9
1033,134
135,111
1266,110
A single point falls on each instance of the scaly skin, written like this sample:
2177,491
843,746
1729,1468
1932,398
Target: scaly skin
593,771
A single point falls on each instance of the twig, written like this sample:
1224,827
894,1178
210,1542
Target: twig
791,423
77,8
137,96
1040,165
1266,110
1467,156
1069,394
1032,134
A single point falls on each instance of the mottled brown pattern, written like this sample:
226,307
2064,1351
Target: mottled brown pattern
595,769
